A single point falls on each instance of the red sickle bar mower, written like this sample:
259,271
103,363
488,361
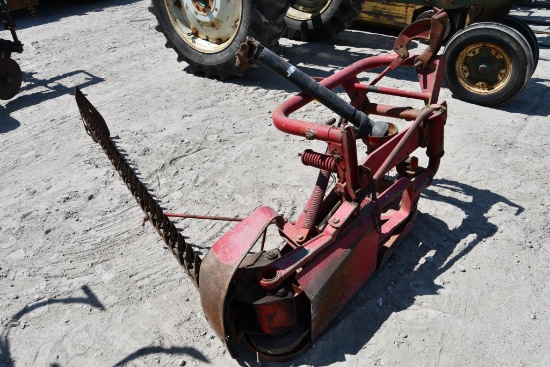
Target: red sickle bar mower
275,302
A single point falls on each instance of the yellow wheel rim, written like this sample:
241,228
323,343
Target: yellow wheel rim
483,68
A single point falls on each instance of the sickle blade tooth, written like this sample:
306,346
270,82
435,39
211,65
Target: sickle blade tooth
97,127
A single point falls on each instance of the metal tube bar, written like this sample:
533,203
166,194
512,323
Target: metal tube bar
392,91
209,217
382,170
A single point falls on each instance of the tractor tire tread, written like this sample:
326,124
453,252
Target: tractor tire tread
266,24
333,21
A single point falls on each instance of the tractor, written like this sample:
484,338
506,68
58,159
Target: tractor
491,55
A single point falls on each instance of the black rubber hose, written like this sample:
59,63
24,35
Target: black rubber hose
308,85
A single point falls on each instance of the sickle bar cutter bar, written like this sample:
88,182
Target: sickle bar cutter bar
275,302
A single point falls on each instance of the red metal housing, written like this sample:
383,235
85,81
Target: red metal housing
278,302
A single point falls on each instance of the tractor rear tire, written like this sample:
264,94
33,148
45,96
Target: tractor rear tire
207,34
314,20
488,63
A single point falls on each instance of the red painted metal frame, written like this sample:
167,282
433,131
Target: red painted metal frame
331,272
330,254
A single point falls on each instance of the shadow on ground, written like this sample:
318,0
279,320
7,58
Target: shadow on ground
405,277
533,101
6,357
36,91
179,351
49,11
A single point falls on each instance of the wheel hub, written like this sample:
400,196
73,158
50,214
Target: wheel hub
203,5
208,26
483,68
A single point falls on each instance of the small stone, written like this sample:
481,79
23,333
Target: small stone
47,231
182,363
158,359
429,259
533,317
36,297
379,302
90,197
461,268
186,299
16,297
404,335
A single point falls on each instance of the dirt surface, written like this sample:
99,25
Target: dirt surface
82,283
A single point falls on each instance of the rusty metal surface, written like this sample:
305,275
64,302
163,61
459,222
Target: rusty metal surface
221,263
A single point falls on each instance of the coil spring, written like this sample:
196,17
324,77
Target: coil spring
318,160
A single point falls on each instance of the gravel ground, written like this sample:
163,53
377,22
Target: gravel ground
82,283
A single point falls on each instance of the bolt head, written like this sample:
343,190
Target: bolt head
483,68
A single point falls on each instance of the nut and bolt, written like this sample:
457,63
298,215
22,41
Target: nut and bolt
336,221
272,254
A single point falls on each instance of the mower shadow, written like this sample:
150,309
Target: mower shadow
181,351
405,277
90,299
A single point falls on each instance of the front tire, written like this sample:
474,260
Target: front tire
488,63
207,34
313,20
